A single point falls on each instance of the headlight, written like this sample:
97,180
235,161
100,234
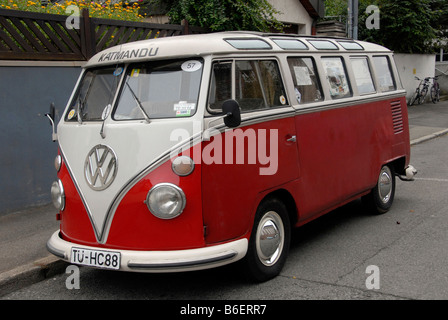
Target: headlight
58,195
166,201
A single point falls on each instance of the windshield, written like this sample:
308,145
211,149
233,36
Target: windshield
95,93
160,89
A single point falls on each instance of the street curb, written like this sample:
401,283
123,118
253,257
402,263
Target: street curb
30,273
429,137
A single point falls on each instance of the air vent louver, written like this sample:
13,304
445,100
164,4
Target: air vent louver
397,116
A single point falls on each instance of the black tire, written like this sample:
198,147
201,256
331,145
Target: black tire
422,97
434,95
380,199
413,98
269,241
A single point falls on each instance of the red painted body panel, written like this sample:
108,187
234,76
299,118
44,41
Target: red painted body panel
341,152
75,222
230,191
337,157
134,227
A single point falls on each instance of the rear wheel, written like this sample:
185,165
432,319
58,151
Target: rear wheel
269,241
434,94
413,98
380,199
422,97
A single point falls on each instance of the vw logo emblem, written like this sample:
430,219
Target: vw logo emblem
100,167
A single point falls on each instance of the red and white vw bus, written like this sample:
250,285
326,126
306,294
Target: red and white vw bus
193,152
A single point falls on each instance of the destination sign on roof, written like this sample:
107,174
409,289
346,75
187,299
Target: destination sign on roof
128,54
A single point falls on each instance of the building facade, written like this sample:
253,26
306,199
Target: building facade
300,16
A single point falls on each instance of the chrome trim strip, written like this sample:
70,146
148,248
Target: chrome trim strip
335,104
251,118
185,264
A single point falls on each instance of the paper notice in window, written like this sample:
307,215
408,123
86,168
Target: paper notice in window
302,76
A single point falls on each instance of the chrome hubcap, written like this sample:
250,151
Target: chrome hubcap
269,238
385,184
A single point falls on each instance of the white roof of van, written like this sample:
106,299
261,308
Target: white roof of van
227,42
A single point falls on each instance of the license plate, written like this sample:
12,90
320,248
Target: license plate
95,258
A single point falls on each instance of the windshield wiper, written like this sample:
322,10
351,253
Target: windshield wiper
107,110
139,104
80,109
81,104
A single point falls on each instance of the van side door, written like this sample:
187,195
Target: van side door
248,161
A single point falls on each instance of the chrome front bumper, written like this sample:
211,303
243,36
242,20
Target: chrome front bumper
161,261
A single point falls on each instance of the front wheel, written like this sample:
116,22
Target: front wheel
423,94
269,241
380,199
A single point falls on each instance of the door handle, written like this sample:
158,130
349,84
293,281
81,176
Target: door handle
292,139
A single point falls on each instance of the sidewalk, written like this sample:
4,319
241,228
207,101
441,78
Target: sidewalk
24,258
427,121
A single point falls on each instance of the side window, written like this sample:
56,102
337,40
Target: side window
305,78
336,77
363,77
258,85
384,73
220,85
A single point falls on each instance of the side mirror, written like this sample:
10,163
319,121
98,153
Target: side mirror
51,116
232,113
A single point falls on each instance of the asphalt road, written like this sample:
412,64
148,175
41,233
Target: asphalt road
329,257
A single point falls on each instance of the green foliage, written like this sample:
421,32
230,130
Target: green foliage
220,15
440,22
335,7
407,26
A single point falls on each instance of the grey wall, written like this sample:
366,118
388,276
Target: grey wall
414,65
27,151
442,72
